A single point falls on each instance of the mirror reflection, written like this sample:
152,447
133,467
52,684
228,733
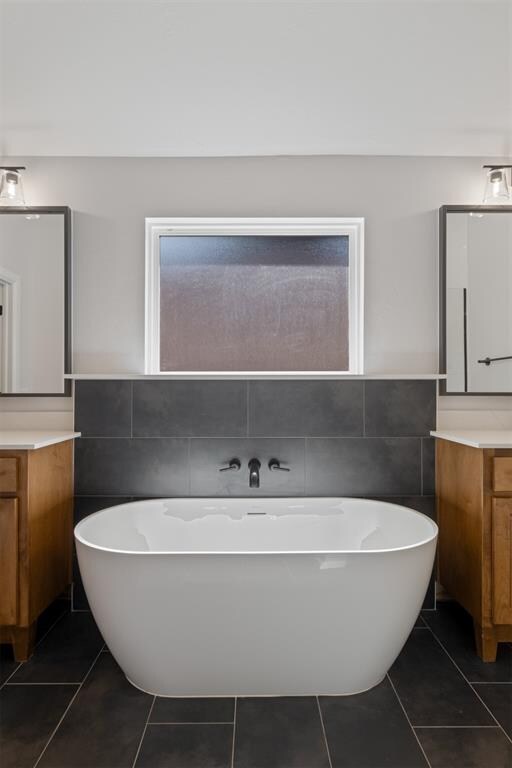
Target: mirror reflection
478,295
33,274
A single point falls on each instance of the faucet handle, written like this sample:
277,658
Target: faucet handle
275,466
234,465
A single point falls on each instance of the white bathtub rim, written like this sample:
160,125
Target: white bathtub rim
230,553
248,695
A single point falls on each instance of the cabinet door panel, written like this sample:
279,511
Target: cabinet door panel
8,561
502,561
8,475
502,474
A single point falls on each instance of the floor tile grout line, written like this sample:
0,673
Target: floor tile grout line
19,664
408,720
323,731
471,727
11,685
192,722
67,709
467,681
6,681
232,763
490,682
143,732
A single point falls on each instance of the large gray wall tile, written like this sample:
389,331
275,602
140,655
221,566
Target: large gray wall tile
399,408
306,408
363,466
189,408
103,408
143,467
208,455
428,462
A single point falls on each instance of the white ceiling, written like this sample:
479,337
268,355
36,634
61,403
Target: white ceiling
126,77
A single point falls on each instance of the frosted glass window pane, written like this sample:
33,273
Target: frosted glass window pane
254,303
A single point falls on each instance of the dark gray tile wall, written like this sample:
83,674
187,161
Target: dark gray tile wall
153,438
169,438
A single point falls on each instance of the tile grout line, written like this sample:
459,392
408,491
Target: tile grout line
67,709
232,763
489,682
247,399
421,466
471,727
189,466
408,720
252,437
6,681
305,463
194,722
364,408
143,732
467,681
323,731
19,663
19,684
131,409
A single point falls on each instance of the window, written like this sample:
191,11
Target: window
254,296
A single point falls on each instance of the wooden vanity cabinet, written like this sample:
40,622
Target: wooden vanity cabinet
36,507
474,508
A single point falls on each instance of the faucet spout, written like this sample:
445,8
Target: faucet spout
254,473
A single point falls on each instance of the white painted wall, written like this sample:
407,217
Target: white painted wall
146,78
398,197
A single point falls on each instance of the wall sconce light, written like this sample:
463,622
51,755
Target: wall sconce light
11,188
497,187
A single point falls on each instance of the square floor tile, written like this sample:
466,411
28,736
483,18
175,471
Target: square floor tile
104,725
30,713
498,697
206,710
466,747
454,628
65,654
430,687
186,746
284,732
370,730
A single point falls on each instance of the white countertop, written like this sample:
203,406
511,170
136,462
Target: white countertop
31,439
477,438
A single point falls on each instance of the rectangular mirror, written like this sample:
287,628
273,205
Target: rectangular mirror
35,273
476,299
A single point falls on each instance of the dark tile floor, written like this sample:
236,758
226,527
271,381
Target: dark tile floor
71,707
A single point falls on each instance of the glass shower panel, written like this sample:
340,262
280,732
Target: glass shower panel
254,303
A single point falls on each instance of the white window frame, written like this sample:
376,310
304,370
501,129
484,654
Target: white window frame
158,227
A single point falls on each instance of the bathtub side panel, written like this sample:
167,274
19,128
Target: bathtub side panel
204,625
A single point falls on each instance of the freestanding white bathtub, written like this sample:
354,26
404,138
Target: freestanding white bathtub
223,597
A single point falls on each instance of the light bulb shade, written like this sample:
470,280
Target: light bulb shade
11,187
497,188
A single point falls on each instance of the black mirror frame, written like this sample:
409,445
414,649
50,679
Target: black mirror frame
443,214
64,211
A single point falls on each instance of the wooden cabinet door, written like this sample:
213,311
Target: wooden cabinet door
8,561
502,561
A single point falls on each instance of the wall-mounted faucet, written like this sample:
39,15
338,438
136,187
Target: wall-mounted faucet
275,466
254,473
235,464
